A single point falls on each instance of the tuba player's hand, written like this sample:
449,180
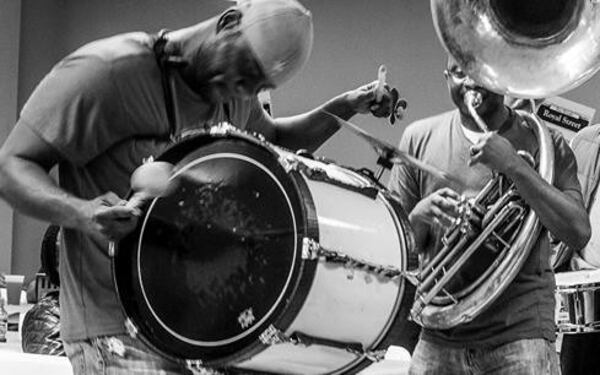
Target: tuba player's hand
438,208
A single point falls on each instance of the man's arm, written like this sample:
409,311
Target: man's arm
25,160
311,129
561,211
424,212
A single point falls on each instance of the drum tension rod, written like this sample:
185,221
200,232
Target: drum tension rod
312,250
274,336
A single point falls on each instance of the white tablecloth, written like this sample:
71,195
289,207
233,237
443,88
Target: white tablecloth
14,362
396,362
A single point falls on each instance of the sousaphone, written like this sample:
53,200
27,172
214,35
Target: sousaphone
523,49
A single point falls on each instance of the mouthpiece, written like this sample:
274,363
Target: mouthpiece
473,98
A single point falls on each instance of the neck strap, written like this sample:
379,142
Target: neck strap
161,60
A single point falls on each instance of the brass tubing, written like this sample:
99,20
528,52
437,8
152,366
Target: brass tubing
434,271
459,263
439,256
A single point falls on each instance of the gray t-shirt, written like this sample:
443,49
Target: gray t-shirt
102,108
526,308
586,147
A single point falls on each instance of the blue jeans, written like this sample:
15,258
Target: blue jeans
521,357
118,355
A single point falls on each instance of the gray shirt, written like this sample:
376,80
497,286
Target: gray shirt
586,146
102,108
526,308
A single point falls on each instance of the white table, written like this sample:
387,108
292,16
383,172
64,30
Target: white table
396,362
14,362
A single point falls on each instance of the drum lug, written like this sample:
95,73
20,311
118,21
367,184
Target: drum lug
131,328
289,163
196,366
292,163
259,136
310,249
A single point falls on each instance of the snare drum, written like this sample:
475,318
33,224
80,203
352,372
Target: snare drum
263,260
577,308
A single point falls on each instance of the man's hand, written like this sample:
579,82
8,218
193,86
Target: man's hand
497,153
440,207
364,100
109,216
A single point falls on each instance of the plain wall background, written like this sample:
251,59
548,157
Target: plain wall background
10,18
352,37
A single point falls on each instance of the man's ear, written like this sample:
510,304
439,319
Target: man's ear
229,19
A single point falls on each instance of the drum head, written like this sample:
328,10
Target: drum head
212,265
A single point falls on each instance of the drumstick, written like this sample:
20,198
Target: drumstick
381,81
392,153
151,180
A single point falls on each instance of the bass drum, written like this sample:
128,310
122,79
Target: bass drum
265,261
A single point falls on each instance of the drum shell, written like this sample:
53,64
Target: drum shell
346,304
326,300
